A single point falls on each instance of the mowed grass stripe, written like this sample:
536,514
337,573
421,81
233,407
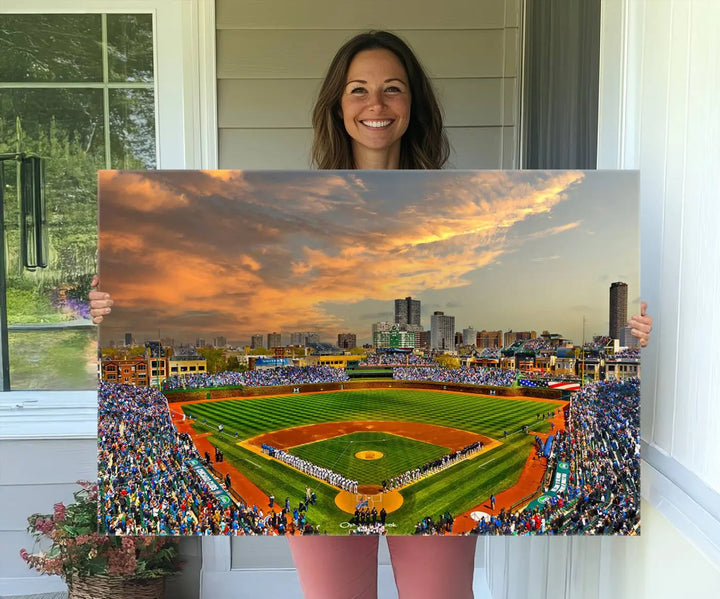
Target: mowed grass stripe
485,415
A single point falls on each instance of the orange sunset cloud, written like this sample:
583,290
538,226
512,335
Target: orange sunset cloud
253,251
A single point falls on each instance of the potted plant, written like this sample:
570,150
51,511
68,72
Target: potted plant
97,566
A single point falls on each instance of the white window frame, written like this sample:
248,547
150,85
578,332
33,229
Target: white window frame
186,138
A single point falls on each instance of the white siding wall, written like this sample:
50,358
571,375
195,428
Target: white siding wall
271,58
659,112
47,443
45,446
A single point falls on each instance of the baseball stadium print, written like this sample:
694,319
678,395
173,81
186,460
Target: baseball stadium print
369,352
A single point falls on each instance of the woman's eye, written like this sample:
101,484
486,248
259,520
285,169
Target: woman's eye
357,90
393,89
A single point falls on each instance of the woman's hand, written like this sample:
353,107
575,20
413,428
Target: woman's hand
100,302
641,325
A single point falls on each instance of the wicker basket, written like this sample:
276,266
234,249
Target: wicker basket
105,586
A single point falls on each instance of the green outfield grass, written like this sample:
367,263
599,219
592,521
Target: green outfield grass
477,413
456,489
399,455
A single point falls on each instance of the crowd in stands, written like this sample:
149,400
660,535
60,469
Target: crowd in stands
319,472
536,345
496,377
428,526
631,353
602,446
399,481
292,375
146,486
394,359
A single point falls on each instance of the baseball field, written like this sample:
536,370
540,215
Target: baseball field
372,435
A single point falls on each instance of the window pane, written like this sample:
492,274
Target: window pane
38,48
130,48
56,360
67,123
64,127
132,128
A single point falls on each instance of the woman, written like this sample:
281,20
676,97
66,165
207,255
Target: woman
377,110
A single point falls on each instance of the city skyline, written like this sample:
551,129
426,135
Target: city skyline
190,254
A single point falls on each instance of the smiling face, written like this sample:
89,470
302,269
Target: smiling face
375,107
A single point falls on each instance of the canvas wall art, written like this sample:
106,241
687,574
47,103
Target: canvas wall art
369,352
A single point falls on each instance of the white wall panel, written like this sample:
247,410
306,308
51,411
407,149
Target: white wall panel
265,148
653,145
697,420
266,103
27,462
306,53
475,147
513,13
19,501
510,141
511,101
370,14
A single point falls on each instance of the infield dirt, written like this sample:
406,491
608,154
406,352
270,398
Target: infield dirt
443,436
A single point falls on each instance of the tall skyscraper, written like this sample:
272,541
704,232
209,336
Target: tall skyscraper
407,311
304,338
618,308
442,332
469,336
493,339
256,341
311,337
274,340
347,340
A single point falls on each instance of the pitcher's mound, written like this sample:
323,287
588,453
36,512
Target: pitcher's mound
347,501
369,455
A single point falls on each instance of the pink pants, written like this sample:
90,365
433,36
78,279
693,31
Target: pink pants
435,567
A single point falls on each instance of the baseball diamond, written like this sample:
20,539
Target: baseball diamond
407,432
